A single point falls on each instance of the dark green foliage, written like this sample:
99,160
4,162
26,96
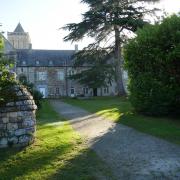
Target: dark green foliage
98,68
107,19
7,78
153,62
99,21
35,93
7,93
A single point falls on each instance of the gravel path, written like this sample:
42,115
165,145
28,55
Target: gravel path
131,154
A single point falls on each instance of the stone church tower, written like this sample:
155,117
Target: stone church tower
19,39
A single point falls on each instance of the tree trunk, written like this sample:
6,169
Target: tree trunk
101,91
118,63
66,80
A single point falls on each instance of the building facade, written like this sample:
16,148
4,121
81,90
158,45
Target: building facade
48,70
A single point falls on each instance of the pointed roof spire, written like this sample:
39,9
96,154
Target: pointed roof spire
19,28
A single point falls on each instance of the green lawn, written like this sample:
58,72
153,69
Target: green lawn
121,111
58,153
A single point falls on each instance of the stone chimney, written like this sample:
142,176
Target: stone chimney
76,48
30,46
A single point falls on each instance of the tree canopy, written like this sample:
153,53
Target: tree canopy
98,70
107,19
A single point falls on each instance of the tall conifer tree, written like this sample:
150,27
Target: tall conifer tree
107,17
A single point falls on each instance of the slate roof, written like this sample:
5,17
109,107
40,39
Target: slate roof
19,29
44,58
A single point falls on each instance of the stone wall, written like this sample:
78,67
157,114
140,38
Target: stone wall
18,120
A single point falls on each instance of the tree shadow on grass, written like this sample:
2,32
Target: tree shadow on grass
7,153
65,162
57,153
160,127
32,159
132,154
129,153
125,152
85,166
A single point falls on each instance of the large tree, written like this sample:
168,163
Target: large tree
97,68
106,18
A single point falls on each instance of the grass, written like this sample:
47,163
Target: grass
58,153
120,110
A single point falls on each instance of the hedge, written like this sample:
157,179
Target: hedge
153,63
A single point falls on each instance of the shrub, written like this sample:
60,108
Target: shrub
38,96
153,63
7,78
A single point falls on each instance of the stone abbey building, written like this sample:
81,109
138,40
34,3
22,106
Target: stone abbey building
48,70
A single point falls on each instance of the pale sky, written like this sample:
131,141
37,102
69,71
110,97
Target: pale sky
43,18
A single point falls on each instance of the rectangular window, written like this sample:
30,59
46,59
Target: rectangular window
57,91
71,72
85,90
72,90
106,90
51,92
41,76
60,75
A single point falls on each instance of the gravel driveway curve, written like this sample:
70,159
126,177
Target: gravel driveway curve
132,155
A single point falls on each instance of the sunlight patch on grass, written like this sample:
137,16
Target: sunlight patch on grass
58,153
112,114
52,144
120,110
54,124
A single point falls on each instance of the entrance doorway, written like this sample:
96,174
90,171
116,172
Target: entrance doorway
72,92
43,91
95,92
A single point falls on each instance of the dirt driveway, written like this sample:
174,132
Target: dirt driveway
131,155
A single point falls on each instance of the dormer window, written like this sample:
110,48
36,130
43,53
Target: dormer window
24,63
50,63
37,62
